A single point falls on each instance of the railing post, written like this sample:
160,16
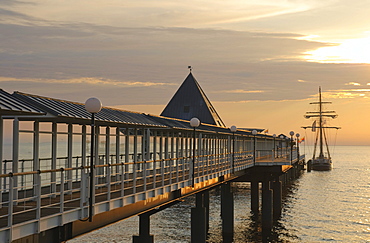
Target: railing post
272,155
10,206
186,156
161,158
69,159
61,194
254,150
109,180
127,155
143,151
199,161
108,173
207,159
135,164
1,158
171,162
118,160
53,158
36,159
84,193
193,163
15,155
166,163
83,146
177,156
181,154
231,143
154,159
107,149
144,175
38,199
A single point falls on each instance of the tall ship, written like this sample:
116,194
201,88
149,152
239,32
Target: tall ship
321,159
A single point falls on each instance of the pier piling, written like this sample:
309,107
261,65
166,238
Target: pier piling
227,212
255,197
144,230
199,219
267,207
277,198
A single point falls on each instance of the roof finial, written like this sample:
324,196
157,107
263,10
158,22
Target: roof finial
190,68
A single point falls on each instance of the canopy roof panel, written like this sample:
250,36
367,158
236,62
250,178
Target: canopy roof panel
10,105
68,109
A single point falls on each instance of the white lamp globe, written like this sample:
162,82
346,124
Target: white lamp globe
291,133
297,135
281,136
194,122
254,132
233,128
274,135
93,105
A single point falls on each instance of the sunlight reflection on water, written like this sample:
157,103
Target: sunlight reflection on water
319,207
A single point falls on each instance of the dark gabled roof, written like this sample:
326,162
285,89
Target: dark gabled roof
10,105
68,109
190,101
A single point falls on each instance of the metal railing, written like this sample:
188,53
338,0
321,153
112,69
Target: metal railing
32,195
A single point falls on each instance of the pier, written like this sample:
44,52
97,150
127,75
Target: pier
137,164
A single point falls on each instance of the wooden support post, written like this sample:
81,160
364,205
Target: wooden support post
255,195
144,230
277,198
227,212
206,206
198,220
266,206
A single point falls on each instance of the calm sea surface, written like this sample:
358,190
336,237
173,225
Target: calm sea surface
329,206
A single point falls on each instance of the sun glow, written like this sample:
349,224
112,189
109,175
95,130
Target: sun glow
349,51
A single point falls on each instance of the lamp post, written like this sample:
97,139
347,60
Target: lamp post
274,135
254,132
233,130
297,135
92,105
291,133
194,123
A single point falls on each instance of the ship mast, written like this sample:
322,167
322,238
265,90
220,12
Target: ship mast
320,126
320,116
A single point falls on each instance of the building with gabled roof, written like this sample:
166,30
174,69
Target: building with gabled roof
190,101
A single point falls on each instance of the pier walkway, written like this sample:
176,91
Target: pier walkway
143,163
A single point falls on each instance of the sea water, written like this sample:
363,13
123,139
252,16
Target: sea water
320,206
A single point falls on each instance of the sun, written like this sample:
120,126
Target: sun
349,51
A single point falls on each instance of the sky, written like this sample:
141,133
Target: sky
259,62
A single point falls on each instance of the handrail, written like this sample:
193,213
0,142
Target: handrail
10,174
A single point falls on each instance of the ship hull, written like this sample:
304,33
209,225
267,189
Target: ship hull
322,164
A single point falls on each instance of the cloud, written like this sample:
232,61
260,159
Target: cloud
85,80
240,91
191,14
348,93
353,83
147,64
